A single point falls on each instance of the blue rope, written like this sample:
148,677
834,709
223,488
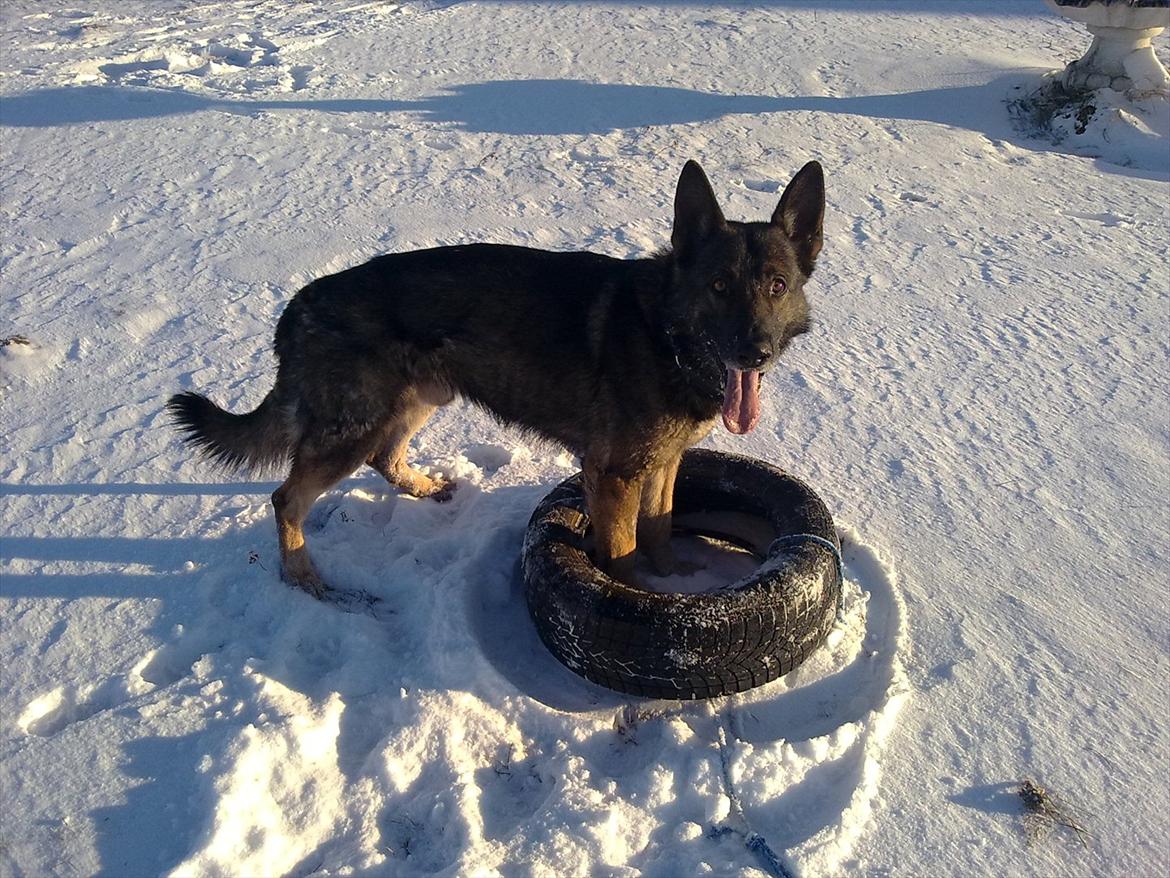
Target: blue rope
796,539
754,842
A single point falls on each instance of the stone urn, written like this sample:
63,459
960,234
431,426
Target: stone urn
1121,57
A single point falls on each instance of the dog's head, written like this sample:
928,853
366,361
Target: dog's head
742,284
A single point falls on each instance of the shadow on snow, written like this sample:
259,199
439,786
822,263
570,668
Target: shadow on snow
550,107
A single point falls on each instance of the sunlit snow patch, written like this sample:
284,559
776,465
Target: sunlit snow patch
443,737
24,358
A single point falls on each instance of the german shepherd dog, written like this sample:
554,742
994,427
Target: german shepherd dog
626,363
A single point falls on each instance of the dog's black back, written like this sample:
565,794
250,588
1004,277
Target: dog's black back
563,344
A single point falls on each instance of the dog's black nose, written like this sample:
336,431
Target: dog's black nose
754,354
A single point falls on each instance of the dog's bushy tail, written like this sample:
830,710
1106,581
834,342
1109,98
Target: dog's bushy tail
258,440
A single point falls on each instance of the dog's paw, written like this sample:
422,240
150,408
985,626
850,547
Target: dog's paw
687,568
664,562
441,490
417,484
299,572
445,493
315,586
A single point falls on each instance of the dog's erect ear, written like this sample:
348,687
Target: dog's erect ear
696,212
801,213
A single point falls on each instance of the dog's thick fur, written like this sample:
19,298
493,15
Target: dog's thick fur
625,362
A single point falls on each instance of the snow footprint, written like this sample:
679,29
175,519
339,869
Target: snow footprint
299,76
173,661
511,791
220,61
488,457
425,832
66,705
63,706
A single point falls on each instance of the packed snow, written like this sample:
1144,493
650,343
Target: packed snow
982,404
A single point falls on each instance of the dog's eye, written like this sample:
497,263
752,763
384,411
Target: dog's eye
779,286
719,285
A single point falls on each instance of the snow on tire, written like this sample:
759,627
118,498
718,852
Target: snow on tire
684,646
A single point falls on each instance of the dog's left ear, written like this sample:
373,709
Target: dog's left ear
801,213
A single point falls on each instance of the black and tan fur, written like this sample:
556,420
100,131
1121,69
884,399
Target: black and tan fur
624,362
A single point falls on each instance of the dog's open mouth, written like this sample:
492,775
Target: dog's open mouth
741,400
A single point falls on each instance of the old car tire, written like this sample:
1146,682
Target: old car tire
689,645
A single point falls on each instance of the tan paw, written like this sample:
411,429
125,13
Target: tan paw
442,491
662,559
416,484
664,562
299,572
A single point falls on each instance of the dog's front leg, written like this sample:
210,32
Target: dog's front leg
654,518
613,502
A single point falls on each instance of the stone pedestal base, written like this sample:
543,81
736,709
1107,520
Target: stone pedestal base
1121,56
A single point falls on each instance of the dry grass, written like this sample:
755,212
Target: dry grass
1043,814
1035,112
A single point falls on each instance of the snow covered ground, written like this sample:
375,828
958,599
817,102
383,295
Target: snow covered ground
983,404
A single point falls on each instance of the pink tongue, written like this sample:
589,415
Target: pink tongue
741,401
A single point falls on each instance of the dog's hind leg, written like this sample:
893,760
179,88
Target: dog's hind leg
390,458
312,474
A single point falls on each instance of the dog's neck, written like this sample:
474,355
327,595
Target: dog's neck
688,353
